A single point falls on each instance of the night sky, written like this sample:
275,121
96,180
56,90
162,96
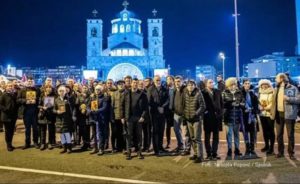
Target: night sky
53,32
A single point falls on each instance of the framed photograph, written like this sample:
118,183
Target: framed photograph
62,108
30,95
94,105
49,102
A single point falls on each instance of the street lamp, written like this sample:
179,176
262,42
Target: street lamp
222,56
237,44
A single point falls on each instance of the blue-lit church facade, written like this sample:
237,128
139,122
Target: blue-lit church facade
125,53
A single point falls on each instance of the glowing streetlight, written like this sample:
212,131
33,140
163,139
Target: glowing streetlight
223,57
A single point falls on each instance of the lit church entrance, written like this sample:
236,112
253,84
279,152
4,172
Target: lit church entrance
119,71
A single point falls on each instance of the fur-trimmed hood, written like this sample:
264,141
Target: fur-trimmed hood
264,81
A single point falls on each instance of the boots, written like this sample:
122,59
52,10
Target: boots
198,160
43,147
140,155
266,148
128,156
248,149
10,147
252,151
69,148
101,152
237,154
229,153
271,150
95,150
84,147
64,149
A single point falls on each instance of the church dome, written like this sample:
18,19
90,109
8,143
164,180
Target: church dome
126,14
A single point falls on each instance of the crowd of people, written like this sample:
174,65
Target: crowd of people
133,116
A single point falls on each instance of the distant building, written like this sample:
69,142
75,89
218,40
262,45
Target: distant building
125,53
268,66
205,72
58,73
297,3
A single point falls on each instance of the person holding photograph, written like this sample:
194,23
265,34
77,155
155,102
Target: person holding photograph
29,98
97,109
64,122
46,118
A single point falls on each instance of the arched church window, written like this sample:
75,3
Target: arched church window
155,52
131,52
128,28
125,17
94,32
155,32
134,29
115,28
122,29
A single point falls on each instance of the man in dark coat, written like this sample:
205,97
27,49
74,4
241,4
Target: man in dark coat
212,118
250,119
135,108
9,113
158,102
29,98
147,125
2,89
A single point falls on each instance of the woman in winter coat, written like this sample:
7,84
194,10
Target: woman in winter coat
64,118
46,118
265,95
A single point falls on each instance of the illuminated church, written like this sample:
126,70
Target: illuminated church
125,53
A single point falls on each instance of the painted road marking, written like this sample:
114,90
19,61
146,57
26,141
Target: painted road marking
74,175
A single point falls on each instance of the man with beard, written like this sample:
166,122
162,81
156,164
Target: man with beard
158,101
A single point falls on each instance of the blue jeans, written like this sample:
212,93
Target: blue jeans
100,133
233,129
178,131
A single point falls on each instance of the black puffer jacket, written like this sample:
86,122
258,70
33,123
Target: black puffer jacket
233,106
194,106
